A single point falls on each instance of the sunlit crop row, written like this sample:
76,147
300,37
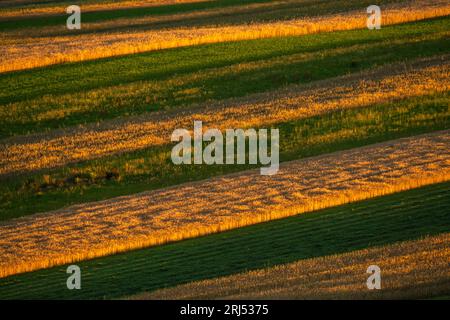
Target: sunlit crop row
41,9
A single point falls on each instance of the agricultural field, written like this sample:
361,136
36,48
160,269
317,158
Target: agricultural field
353,123
368,225
290,279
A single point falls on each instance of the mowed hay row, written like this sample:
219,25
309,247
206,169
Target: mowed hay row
11,9
39,151
409,270
17,53
194,209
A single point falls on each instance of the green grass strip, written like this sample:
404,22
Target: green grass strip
375,222
152,168
72,94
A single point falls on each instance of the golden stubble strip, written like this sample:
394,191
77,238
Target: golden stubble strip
35,152
24,9
155,217
24,52
409,270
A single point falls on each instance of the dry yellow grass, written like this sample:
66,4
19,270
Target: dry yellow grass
11,9
25,52
40,151
190,210
220,16
409,270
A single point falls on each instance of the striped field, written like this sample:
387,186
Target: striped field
390,83
156,217
86,175
35,50
377,222
415,270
